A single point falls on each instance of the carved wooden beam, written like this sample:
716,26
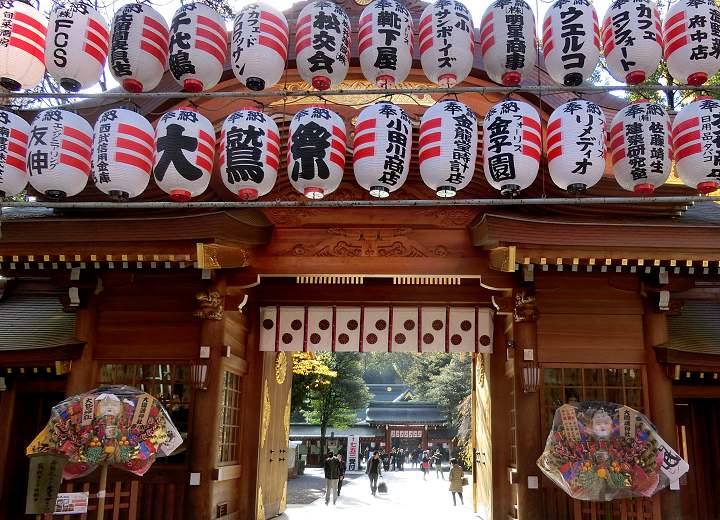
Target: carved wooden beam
503,259
218,256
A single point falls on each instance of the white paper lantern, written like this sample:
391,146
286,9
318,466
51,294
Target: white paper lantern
316,151
77,45
382,148
249,153
632,40
508,42
695,144
14,134
198,47
447,42
322,44
259,46
184,153
123,147
139,47
576,145
512,146
385,42
571,41
692,40
639,146
59,153
22,46
447,147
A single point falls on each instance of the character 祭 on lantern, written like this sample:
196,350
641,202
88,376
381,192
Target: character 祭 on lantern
76,46
696,145
139,47
122,153
259,46
316,152
22,45
198,47
632,40
640,147
511,146
381,148
385,43
322,44
446,42
571,41
59,153
576,145
507,41
184,153
14,133
249,153
692,40
447,147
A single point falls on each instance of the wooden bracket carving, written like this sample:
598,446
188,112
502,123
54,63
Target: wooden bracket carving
525,307
503,259
210,305
217,256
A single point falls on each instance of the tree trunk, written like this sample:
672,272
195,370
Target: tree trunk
323,429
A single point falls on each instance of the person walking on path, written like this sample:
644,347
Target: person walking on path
437,460
332,477
425,465
342,472
374,470
456,480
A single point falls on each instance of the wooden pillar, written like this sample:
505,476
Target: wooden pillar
82,372
527,409
501,404
203,452
660,399
388,438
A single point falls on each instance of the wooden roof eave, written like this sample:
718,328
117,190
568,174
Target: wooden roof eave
45,356
688,360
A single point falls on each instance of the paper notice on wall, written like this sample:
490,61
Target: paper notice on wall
71,503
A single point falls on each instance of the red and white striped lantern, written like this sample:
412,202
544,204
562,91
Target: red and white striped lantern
198,47
447,43
692,40
571,41
695,144
59,153
322,44
249,153
507,41
123,147
259,46
184,153
316,151
512,146
640,149
381,148
139,47
77,45
448,147
14,134
576,145
385,42
22,46
632,40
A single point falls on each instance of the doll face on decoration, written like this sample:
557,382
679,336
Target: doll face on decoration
109,405
602,424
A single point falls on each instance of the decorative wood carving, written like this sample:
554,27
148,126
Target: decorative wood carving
217,256
281,364
525,307
210,305
503,259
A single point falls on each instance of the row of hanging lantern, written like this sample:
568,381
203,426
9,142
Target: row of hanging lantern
76,42
59,151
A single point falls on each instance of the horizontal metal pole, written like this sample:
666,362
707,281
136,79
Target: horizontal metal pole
493,89
556,201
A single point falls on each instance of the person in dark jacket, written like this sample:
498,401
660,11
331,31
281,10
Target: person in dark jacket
374,470
332,477
342,472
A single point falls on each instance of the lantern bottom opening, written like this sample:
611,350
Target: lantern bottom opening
69,84
321,82
644,188
55,194
385,81
255,83
447,80
707,187
446,192
132,85
10,84
381,192
511,79
180,195
192,85
510,190
247,194
314,193
577,188
635,77
696,79
119,195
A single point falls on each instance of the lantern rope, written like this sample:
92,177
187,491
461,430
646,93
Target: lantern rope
538,201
